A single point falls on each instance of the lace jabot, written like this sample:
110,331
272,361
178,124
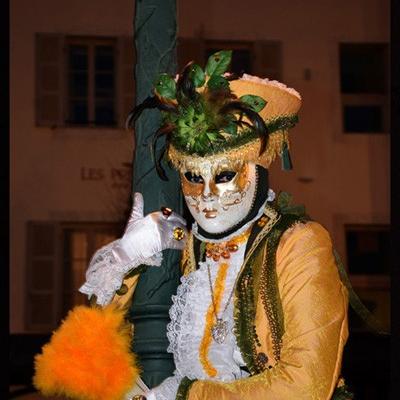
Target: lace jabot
188,319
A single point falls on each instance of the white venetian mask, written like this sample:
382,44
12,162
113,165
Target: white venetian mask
219,196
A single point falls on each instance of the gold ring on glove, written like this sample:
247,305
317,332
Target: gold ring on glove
166,211
178,233
139,397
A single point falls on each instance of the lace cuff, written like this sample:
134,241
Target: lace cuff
166,390
107,270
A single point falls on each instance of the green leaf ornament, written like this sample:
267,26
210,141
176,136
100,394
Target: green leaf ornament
166,86
198,76
217,82
218,63
231,128
284,200
256,103
212,136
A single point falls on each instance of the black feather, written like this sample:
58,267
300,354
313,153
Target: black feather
160,170
242,123
257,122
163,130
148,103
185,87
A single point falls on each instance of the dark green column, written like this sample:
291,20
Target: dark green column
155,39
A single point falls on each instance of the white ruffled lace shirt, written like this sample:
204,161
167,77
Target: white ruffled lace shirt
187,326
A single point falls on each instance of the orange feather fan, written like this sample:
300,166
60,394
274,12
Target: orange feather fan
88,357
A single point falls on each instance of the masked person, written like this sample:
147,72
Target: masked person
261,312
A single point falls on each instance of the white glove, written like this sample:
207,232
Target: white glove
142,243
146,236
167,390
139,388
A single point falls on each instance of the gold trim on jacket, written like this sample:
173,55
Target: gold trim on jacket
314,303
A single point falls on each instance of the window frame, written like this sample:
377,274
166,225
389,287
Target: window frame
90,42
50,107
57,293
90,229
367,287
365,99
366,281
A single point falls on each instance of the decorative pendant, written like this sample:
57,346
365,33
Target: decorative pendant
219,331
224,249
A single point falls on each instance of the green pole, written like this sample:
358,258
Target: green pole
155,39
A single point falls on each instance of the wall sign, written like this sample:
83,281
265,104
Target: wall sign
116,177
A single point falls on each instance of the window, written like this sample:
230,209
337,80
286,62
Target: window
262,58
368,249
80,242
364,87
369,269
57,258
91,82
83,81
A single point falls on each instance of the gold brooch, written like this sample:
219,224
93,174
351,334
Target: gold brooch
178,233
224,249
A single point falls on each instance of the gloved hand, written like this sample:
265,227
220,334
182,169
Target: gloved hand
143,240
146,236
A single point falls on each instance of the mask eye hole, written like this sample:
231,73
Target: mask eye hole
194,178
225,176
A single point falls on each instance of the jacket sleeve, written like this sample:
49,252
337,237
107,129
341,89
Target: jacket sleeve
314,303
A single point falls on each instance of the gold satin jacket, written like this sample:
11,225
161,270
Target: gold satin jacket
303,361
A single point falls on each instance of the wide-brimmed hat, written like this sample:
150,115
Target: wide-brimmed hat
214,115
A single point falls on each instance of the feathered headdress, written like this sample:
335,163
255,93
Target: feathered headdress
212,114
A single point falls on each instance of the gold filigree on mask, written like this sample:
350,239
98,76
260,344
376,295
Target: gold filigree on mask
191,189
194,201
233,197
208,186
233,192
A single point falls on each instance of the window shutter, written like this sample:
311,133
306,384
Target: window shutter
268,59
43,275
49,79
126,65
189,49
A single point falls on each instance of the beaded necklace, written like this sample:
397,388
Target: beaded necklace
219,330
224,249
216,328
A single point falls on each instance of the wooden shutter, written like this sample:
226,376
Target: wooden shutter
126,65
43,277
49,79
268,59
189,49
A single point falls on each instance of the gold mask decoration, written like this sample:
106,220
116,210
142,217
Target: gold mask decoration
219,195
